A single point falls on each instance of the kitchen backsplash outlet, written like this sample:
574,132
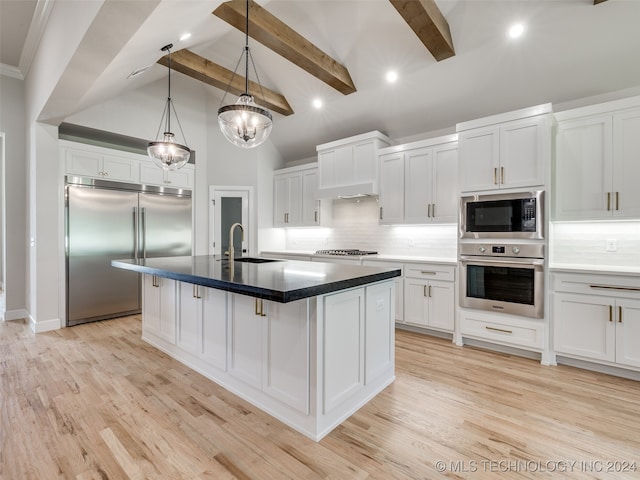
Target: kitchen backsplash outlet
581,243
354,224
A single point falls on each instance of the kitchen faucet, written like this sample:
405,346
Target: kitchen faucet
233,227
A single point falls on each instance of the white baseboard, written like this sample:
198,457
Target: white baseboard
19,314
44,325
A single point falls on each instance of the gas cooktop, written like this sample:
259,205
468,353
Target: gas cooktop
345,252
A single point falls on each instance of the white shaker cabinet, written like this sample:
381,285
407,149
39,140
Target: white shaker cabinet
430,296
511,150
391,198
151,174
287,194
511,155
269,347
159,307
418,182
202,323
294,197
97,163
597,318
597,164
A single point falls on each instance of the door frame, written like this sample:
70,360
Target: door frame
244,192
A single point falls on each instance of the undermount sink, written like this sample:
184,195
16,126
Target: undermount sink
256,260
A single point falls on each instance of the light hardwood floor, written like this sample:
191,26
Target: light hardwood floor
95,402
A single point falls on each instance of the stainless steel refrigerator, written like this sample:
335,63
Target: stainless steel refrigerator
110,220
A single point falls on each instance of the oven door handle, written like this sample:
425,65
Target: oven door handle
536,263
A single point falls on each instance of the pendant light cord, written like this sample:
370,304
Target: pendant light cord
246,48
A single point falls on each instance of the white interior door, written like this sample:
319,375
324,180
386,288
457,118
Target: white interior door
230,205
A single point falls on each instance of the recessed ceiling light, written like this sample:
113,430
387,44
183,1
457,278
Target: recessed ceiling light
317,103
184,36
516,30
392,76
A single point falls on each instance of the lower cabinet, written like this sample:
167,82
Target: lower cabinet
429,292
202,323
597,318
269,347
159,307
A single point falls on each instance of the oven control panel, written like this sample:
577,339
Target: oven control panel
502,250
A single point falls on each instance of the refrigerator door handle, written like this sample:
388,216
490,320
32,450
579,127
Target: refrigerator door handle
135,233
143,215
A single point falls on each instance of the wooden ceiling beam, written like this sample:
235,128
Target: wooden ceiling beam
191,64
428,23
282,39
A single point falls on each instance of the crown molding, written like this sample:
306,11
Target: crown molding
36,29
10,71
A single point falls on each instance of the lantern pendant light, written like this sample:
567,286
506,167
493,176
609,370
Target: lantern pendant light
168,154
244,123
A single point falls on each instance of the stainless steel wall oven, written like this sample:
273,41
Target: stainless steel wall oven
504,278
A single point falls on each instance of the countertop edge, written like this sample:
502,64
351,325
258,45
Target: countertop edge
261,292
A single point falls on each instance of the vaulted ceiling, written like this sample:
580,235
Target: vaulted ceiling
453,58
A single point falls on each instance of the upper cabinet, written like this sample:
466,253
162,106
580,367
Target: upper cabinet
294,197
108,164
510,150
349,167
597,164
418,182
151,174
96,164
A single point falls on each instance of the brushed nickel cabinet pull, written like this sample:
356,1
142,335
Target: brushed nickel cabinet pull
619,314
502,330
501,175
433,210
154,281
428,210
608,201
424,291
196,294
427,272
429,291
262,314
613,287
495,176
617,200
256,302
380,213
610,313
315,216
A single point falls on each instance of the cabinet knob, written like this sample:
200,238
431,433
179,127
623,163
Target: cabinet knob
482,249
515,250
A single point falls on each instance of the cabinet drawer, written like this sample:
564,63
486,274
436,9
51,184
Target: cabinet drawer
428,271
516,332
593,284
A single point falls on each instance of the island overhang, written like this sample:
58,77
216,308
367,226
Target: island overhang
279,281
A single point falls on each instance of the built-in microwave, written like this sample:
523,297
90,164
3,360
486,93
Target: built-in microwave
503,215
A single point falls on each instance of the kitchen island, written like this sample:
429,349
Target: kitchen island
307,342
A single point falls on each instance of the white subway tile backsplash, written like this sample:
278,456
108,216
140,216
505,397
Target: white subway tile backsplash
354,224
585,243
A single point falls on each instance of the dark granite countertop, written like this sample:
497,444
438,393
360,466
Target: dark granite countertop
281,281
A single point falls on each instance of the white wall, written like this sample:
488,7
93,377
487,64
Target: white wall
12,123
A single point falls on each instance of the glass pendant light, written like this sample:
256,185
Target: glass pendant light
244,123
167,153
